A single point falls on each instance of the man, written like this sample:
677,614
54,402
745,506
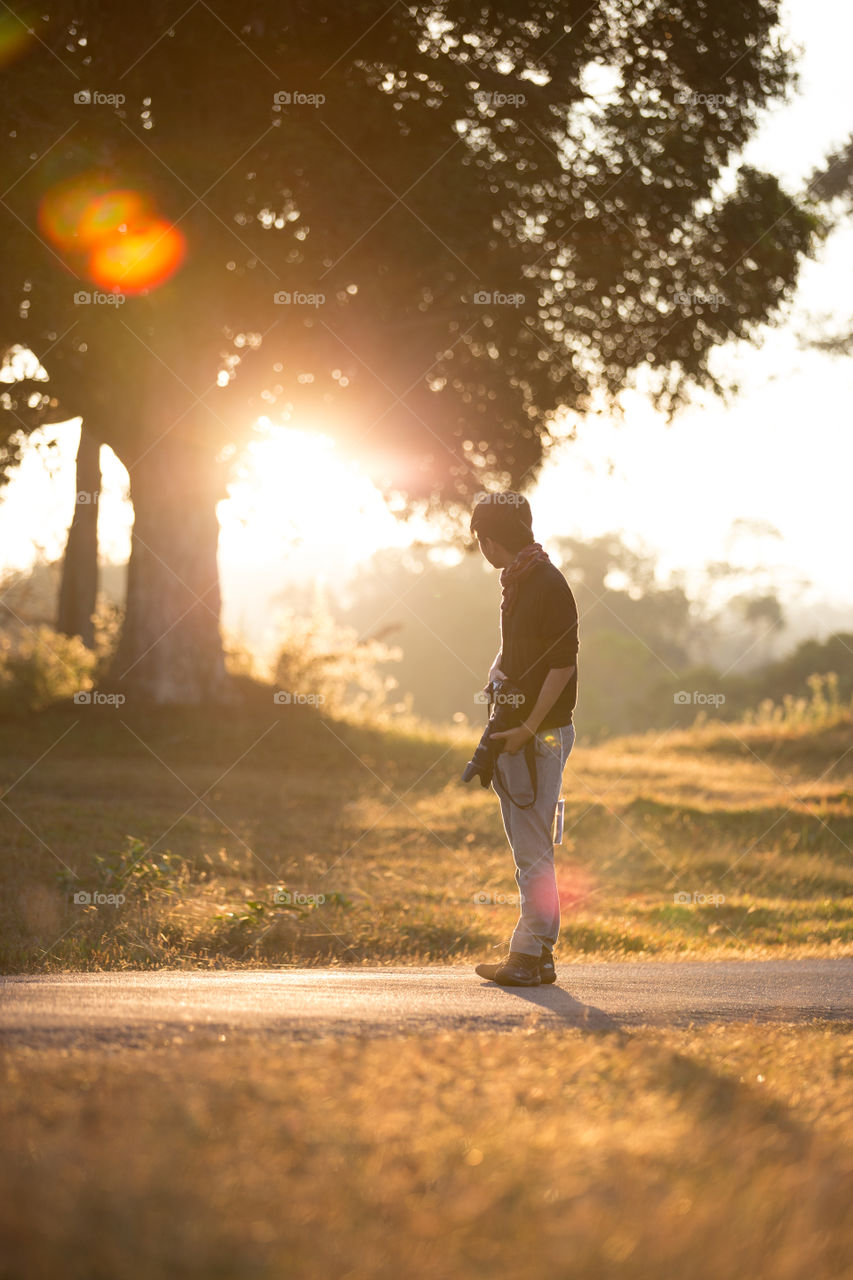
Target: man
538,654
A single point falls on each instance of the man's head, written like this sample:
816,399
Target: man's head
502,525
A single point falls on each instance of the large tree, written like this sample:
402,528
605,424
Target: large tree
505,207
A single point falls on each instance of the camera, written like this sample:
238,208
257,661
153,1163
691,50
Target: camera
505,702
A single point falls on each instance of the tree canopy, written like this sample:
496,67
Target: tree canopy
425,230
397,163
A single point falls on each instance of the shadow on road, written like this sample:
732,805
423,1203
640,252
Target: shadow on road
560,1004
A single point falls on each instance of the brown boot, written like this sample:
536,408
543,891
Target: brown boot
515,970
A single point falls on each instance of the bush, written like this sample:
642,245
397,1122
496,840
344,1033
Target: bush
40,666
320,657
821,709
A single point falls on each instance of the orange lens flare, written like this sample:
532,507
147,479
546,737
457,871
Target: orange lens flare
109,214
132,261
112,233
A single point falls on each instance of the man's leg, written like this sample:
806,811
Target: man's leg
529,833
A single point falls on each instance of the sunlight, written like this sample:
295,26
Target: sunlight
296,509
38,502
295,496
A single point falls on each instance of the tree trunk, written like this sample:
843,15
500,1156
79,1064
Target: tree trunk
78,589
171,647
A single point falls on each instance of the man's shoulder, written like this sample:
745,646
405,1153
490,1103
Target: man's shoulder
549,577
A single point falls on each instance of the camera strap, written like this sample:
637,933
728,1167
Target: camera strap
529,750
529,756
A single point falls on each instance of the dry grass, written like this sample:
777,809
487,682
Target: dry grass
378,825
711,1153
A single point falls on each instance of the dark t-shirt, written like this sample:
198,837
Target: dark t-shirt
539,632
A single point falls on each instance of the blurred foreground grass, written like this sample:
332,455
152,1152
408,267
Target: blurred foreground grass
268,834
713,1153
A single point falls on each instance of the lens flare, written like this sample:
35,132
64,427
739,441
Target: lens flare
111,214
132,261
575,886
112,234
63,209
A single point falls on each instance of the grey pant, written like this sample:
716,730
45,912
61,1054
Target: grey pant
529,833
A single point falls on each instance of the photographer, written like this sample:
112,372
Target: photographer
538,656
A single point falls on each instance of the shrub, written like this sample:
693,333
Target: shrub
320,657
822,708
40,666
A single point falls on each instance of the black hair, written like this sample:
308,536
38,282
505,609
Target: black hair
504,517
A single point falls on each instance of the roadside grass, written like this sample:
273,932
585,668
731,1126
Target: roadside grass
268,835
711,1152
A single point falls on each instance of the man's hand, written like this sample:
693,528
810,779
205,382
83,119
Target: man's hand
513,739
495,673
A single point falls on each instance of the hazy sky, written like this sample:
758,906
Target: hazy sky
781,453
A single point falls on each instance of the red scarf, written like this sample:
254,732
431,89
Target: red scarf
520,567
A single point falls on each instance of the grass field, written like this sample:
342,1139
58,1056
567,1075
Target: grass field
713,1154
710,1153
269,835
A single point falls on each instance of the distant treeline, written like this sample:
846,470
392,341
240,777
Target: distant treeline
651,654
642,643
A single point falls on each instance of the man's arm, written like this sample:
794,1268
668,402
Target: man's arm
495,672
552,686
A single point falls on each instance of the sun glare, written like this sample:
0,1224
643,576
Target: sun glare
295,497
